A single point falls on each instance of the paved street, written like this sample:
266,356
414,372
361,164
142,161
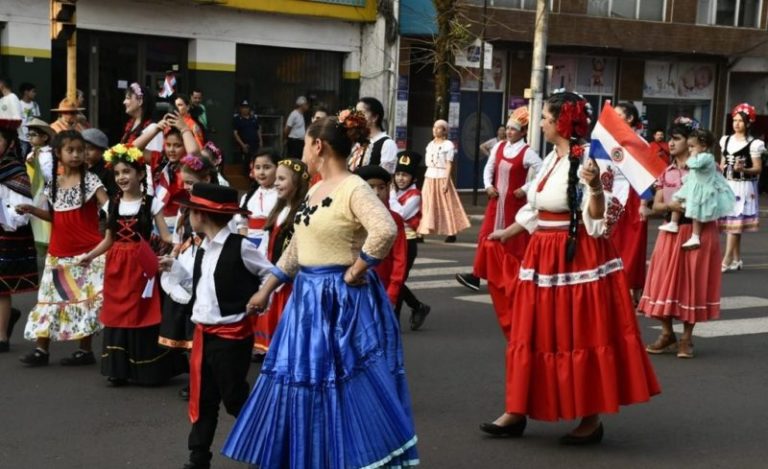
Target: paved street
711,413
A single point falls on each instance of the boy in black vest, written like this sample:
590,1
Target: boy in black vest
228,270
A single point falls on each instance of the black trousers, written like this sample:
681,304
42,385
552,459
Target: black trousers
223,378
295,148
406,295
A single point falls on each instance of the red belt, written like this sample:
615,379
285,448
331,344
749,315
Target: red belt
257,223
236,331
554,216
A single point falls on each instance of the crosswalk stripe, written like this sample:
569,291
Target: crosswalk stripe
726,327
457,244
435,271
430,284
429,260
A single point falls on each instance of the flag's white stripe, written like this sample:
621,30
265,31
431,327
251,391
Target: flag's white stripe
640,178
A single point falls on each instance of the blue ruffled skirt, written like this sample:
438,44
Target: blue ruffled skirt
332,391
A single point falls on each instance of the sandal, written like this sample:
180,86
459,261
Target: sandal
685,348
665,343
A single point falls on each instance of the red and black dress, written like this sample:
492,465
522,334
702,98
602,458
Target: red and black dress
574,347
264,325
131,308
506,171
18,257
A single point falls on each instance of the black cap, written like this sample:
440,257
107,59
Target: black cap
408,162
373,171
245,103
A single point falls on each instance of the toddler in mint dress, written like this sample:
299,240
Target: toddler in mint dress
705,194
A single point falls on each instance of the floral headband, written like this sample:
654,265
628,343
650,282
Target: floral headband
123,153
136,90
746,109
690,123
295,166
193,162
352,118
215,152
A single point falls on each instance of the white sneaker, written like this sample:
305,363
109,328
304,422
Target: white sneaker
692,243
669,227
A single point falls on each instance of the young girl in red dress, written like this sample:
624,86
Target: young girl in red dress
70,295
131,310
291,184
574,349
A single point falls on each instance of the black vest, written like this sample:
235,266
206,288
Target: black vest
376,151
730,159
233,282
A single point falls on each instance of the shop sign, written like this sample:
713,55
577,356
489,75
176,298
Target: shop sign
586,75
679,80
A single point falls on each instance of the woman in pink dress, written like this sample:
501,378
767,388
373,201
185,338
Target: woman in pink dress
682,285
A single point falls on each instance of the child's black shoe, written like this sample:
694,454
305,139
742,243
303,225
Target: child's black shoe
35,358
79,358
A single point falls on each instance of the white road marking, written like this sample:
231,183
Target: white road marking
460,245
429,260
433,284
484,299
435,271
727,327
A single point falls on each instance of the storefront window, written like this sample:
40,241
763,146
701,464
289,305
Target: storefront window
651,10
743,13
515,4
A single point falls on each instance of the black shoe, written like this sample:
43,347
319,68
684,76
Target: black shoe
79,358
116,382
35,358
258,357
592,439
184,393
419,315
15,316
450,239
513,430
5,346
469,281
419,239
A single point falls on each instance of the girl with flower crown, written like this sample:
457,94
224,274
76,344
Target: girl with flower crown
131,309
70,295
574,349
336,354
291,185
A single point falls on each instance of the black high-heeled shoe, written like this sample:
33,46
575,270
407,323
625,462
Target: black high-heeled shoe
592,439
513,430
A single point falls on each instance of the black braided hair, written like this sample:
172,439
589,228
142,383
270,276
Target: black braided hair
57,144
577,129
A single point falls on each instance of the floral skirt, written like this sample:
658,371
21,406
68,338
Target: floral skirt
745,216
68,302
332,392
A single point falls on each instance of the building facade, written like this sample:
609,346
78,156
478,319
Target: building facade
670,57
266,51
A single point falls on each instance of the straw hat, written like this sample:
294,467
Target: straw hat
67,105
42,126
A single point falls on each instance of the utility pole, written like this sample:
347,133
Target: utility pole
538,70
63,26
479,123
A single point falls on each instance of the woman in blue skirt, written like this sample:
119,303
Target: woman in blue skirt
332,391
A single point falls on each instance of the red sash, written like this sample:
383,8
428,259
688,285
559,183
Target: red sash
236,331
256,223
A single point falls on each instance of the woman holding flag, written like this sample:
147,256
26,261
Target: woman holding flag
574,348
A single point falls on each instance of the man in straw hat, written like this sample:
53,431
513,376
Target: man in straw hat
228,270
67,120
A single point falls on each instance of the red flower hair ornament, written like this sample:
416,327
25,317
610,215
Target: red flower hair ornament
573,121
746,109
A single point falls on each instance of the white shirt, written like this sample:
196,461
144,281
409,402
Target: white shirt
756,147
410,208
28,111
9,219
388,153
260,205
10,108
511,150
129,208
554,198
296,123
206,308
438,156
44,161
157,142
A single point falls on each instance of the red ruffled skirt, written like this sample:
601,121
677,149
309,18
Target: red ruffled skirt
514,246
574,347
498,264
684,285
264,325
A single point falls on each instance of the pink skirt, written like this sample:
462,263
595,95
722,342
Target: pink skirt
684,285
441,211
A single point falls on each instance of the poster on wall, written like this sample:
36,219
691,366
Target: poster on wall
493,79
683,80
586,75
401,113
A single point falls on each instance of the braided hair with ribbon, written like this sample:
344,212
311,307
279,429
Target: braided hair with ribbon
570,113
